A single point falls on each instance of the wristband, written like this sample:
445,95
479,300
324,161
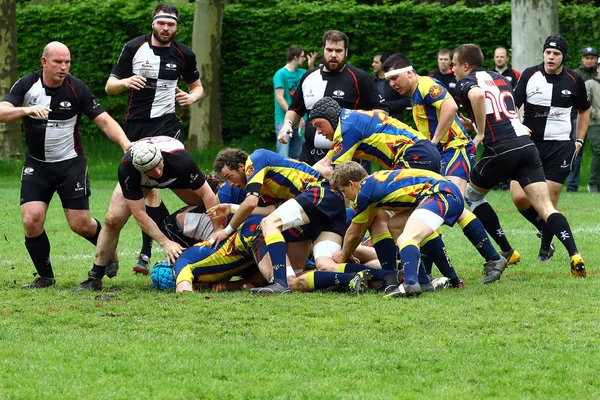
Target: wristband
229,229
289,121
580,141
234,208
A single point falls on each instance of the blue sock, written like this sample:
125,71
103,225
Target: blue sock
322,280
276,249
385,247
376,273
435,250
423,278
411,257
475,232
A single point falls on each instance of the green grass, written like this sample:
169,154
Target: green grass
534,334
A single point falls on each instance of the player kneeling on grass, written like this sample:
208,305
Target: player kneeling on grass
204,266
435,201
158,162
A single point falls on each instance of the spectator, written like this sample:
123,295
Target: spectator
502,67
593,133
285,82
444,72
396,102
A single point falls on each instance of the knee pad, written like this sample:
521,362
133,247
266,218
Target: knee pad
326,248
474,197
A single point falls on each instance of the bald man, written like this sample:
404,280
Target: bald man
50,103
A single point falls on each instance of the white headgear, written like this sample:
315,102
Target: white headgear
145,156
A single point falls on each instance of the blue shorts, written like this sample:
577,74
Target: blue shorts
324,207
458,161
421,155
448,203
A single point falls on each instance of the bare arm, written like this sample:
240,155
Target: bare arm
195,94
280,100
210,200
448,111
583,120
242,214
352,239
10,113
112,130
323,166
115,85
477,99
286,129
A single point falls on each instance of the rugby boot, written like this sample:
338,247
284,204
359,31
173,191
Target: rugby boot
113,266
92,283
577,266
39,283
440,283
360,282
391,282
493,270
142,265
545,255
405,290
458,285
274,288
512,256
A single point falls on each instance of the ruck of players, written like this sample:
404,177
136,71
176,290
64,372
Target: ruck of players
359,202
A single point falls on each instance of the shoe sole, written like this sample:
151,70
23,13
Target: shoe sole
140,271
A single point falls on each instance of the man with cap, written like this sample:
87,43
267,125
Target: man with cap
550,92
157,162
148,70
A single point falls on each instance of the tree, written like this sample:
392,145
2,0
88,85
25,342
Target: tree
10,134
205,123
532,22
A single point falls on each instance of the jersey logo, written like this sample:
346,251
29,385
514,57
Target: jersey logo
435,91
337,149
65,104
565,93
338,93
249,171
27,171
170,66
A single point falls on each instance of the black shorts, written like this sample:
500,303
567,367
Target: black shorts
557,158
39,181
515,159
325,208
167,125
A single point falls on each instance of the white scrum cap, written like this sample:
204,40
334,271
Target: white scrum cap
145,156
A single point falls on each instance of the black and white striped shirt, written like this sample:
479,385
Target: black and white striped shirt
162,67
56,138
549,100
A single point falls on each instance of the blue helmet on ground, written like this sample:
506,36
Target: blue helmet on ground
162,276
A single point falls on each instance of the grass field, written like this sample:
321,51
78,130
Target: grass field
533,334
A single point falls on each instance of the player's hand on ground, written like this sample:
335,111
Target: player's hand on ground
183,98
172,250
219,211
285,130
218,237
136,82
38,111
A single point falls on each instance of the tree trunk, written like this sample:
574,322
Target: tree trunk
205,124
10,134
532,22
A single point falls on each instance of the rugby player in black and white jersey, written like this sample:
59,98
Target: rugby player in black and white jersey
159,162
549,92
508,150
149,68
351,87
50,102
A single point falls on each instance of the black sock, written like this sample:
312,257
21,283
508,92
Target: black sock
158,214
94,239
39,250
532,216
100,270
559,226
488,217
547,236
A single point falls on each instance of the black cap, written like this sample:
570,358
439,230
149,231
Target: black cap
328,109
589,51
559,43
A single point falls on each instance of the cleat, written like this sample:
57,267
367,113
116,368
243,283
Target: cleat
458,285
405,290
274,288
113,266
391,282
141,267
337,288
545,255
512,256
493,270
39,283
92,283
440,283
360,282
427,287
577,266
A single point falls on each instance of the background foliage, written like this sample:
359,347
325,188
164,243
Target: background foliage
255,40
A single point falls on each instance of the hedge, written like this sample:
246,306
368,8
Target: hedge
255,40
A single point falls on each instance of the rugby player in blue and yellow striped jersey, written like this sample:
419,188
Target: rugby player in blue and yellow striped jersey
435,201
370,136
306,196
435,114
